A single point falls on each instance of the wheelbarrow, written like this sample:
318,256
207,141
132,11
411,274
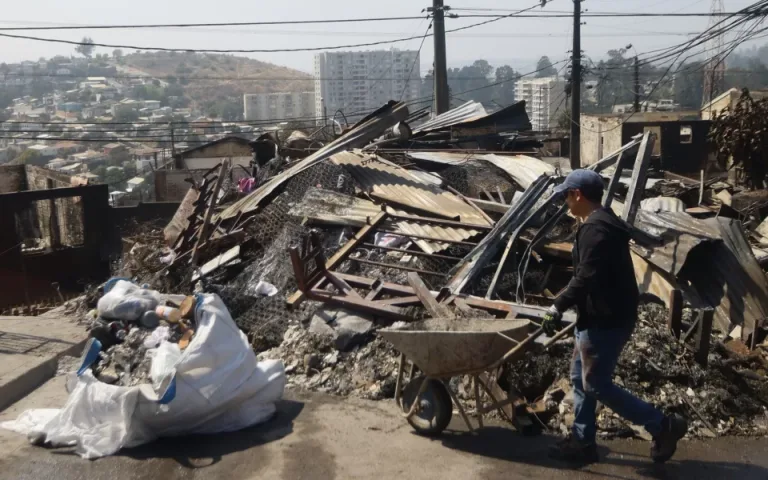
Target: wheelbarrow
442,348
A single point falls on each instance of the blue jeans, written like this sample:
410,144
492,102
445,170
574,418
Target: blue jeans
595,355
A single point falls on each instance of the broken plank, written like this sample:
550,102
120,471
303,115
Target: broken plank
430,303
401,301
360,305
474,204
220,261
639,178
204,233
500,194
341,255
341,285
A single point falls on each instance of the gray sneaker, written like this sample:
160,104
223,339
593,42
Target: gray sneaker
664,445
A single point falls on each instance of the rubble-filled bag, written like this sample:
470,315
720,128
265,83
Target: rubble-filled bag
124,300
217,385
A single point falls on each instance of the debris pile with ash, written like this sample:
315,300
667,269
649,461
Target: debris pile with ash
314,362
729,397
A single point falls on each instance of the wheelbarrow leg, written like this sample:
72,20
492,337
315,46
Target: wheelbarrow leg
478,401
458,405
399,382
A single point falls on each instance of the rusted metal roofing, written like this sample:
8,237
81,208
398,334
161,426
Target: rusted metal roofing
464,113
472,115
326,206
524,170
712,262
362,133
397,186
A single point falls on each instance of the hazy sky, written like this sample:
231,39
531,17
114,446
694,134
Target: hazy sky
519,42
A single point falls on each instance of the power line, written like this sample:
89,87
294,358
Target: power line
276,50
208,50
226,24
620,15
694,42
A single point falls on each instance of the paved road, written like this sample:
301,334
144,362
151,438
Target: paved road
321,437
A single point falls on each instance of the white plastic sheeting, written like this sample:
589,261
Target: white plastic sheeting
216,386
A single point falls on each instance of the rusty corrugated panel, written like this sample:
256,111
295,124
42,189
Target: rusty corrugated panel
713,262
326,206
680,233
464,113
362,133
398,187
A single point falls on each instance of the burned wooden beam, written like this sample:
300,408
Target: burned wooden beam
639,178
431,304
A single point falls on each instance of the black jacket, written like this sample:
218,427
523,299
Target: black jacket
603,288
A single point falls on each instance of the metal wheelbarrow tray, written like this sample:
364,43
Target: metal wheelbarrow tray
442,348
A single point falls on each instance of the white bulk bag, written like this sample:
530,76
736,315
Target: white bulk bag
216,386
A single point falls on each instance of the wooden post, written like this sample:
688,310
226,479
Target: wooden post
675,318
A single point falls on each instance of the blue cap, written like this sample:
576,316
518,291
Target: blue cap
584,180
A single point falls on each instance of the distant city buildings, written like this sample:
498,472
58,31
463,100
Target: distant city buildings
280,107
359,82
544,100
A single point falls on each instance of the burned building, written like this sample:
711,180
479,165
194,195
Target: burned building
172,185
681,138
55,229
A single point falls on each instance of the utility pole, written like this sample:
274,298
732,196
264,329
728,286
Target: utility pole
442,103
576,88
637,85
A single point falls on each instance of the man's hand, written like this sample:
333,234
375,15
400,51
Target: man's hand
552,322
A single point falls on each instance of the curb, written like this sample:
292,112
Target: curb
28,381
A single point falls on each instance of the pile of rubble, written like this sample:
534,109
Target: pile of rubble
323,250
729,397
127,327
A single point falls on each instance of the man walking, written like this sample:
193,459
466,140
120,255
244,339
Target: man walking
604,291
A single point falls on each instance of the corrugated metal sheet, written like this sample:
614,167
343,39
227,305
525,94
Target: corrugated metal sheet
464,113
713,262
365,131
397,186
680,233
729,277
524,170
327,206
662,204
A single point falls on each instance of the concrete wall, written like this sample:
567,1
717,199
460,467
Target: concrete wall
207,163
59,220
170,185
123,217
596,130
229,148
12,179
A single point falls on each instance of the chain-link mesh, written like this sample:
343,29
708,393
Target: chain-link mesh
471,178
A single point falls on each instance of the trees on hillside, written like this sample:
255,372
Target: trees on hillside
86,47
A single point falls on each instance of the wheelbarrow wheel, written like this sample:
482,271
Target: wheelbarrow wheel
435,407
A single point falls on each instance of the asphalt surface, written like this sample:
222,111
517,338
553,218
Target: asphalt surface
322,437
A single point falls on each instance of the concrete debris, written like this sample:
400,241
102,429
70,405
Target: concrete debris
313,362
